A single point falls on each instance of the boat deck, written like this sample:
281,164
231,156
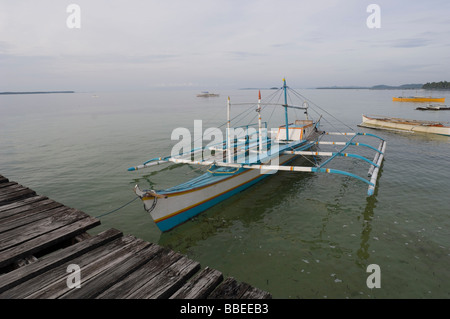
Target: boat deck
41,239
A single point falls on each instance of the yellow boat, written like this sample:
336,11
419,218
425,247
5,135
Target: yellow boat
418,99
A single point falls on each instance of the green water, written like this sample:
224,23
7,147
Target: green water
294,235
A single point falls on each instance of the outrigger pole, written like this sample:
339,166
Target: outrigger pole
373,173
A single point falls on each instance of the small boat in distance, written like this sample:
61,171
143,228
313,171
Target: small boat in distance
418,99
207,94
405,125
434,107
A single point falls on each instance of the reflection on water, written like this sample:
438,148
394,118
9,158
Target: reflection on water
366,219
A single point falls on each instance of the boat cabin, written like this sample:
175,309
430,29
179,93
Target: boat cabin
296,132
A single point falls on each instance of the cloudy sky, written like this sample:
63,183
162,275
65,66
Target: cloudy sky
146,44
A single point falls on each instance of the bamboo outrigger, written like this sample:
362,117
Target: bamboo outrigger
239,162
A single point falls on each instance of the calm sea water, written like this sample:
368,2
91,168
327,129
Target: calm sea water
294,235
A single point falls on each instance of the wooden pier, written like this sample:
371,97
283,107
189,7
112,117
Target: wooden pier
41,240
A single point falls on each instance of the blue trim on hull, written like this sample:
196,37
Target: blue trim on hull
176,220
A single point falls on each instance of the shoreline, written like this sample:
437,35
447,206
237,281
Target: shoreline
35,92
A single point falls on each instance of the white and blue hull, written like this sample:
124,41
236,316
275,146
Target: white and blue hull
177,207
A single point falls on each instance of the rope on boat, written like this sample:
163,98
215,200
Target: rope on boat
323,110
114,210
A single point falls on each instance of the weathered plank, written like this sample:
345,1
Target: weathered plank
46,240
112,274
200,286
7,184
33,205
5,199
16,277
60,217
10,188
134,281
90,272
27,201
45,283
35,213
230,289
255,293
168,281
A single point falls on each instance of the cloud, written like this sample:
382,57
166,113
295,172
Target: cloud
228,42
241,55
410,43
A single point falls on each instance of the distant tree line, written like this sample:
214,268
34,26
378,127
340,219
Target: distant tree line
443,85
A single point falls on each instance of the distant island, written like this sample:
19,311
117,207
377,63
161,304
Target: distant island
37,92
443,85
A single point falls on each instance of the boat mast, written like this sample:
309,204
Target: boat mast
229,157
259,122
286,109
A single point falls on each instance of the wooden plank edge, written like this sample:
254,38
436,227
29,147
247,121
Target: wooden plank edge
53,283
20,203
232,289
47,240
55,259
3,179
200,286
16,196
108,277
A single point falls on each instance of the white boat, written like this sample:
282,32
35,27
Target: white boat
239,162
405,125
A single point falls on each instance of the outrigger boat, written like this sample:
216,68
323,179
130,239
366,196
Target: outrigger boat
405,125
244,159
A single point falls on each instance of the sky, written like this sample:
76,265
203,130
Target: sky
213,44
